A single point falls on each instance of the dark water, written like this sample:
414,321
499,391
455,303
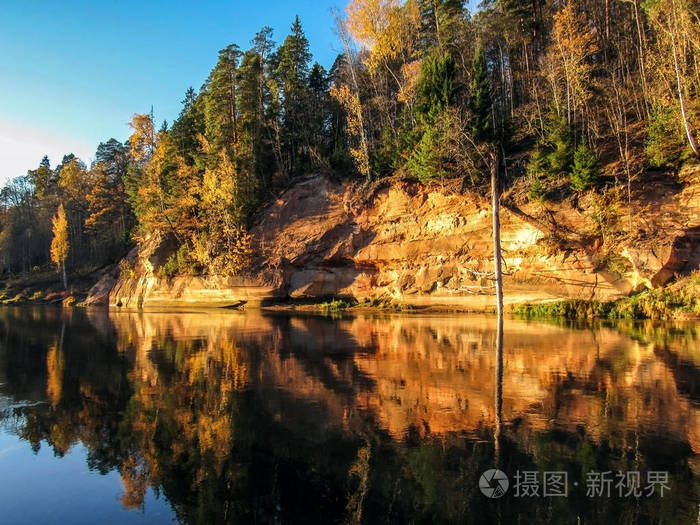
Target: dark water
214,416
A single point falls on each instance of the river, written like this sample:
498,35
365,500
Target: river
250,417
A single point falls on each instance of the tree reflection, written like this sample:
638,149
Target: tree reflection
248,417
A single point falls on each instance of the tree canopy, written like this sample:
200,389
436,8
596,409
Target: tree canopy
576,94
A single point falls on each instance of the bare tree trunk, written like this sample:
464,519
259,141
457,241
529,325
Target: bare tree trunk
63,271
495,197
343,34
681,99
498,395
642,65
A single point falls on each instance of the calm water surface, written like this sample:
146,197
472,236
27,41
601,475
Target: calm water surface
215,416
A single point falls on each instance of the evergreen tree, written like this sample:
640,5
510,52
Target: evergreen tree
263,43
220,112
436,87
318,112
189,125
292,74
253,154
439,20
538,170
560,143
585,172
43,179
427,161
481,102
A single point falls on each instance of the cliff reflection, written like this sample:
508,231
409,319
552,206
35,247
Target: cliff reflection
240,417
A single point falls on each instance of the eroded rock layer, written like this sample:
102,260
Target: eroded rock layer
429,246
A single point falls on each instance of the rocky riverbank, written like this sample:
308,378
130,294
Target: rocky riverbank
422,246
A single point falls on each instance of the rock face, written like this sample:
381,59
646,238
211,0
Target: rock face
415,246
136,284
429,246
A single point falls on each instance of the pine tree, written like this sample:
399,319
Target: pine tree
427,161
561,144
188,127
436,88
585,172
252,152
439,20
481,102
43,178
220,112
538,170
318,112
292,74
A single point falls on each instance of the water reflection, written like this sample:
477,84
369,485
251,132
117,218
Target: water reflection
247,417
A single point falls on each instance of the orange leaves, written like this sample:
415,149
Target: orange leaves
573,45
55,365
410,74
143,140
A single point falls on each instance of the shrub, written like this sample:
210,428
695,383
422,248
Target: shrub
126,269
660,303
336,305
571,309
177,263
585,173
538,191
426,162
665,139
387,158
538,169
232,250
561,143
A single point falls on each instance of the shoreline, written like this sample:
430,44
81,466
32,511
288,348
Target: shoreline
570,310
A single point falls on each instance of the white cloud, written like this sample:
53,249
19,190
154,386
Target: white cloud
22,149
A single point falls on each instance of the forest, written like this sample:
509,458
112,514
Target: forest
574,96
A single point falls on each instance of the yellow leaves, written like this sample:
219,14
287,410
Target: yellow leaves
73,180
143,140
150,192
677,32
219,184
188,176
54,383
387,28
368,20
568,60
102,200
215,436
224,248
59,244
351,103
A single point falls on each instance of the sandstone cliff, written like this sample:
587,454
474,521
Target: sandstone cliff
431,246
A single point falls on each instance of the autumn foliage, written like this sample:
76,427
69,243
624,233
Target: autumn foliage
575,94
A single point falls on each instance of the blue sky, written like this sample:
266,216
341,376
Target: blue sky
74,72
